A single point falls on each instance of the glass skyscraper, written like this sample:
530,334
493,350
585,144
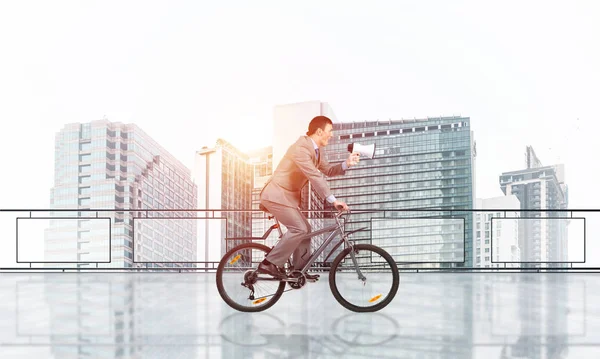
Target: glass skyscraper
107,165
419,164
542,235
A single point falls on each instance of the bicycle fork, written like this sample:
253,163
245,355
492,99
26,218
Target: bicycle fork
355,262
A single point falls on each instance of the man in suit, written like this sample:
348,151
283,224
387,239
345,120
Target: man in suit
303,162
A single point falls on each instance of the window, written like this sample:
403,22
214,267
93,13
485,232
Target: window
85,202
85,158
85,169
85,147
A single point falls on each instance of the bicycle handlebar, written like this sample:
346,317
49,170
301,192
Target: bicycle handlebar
339,213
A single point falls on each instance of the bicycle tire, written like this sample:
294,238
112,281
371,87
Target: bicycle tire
364,309
223,293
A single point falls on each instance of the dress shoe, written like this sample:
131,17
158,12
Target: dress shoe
271,269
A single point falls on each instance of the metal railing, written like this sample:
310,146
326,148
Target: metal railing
195,239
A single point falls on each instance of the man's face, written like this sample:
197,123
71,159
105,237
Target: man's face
324,135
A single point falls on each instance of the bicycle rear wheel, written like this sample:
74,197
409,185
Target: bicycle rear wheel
238,284
380,283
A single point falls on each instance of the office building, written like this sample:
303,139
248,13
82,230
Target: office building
426,164
543,234
111,165
224,177
497,233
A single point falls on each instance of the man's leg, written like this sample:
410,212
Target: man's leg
301,254
297,225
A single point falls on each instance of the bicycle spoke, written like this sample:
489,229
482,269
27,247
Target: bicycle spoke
238,281
376,285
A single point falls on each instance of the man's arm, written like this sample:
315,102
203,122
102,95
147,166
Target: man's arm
331,170
335,170
339,169
302,156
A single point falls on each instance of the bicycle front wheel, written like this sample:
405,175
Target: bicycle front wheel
369,285
240,286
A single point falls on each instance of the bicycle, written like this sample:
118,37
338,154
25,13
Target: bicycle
374,270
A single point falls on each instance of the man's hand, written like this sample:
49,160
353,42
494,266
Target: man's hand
353,159
340,206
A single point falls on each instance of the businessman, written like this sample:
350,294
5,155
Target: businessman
303,162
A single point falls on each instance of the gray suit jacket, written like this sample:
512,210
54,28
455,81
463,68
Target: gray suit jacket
297,167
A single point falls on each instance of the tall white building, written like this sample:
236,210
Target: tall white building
497,233
111,165
224,179
291,121
543,235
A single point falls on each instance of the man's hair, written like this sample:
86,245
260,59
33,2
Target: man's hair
316,123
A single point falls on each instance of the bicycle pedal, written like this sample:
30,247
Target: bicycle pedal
312,280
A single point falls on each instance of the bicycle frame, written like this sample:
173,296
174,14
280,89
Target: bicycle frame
333,231
298,277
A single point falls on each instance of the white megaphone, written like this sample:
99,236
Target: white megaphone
364,150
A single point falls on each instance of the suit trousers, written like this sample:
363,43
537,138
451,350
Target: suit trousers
297,225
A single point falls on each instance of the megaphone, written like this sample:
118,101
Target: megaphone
364,150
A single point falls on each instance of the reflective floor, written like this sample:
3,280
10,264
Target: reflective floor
173,315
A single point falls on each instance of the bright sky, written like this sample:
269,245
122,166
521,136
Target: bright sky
187,72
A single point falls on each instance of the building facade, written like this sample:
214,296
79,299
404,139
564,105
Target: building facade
224,176
542,234
107,165
497,233
419,164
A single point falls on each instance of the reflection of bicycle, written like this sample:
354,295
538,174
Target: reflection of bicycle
266,332
362,278
358,330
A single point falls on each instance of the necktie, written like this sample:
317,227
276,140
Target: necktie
317,152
